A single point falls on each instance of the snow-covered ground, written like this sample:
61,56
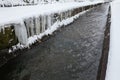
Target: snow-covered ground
113,67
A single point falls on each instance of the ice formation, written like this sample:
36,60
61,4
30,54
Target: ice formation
33,22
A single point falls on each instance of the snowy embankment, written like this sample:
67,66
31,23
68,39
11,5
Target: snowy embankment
16,14
33,22
113,67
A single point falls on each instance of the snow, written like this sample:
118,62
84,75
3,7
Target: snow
17,14
25,17
49,31
113,67
12,2
33,2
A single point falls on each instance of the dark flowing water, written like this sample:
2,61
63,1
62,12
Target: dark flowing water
71,53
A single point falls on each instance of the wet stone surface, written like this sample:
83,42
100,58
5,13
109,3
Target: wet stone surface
71,53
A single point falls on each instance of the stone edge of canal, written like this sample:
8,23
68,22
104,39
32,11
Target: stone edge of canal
105,52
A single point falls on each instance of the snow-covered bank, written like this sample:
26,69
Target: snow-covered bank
113,67
16,14
49,31
33,22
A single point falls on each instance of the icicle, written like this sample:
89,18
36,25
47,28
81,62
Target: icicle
3,30
27,24
37,25
52,17
43,23
66,15
49,21
82,8
40,20
46,22
61,17
70,13
34,25
21,33
31,26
